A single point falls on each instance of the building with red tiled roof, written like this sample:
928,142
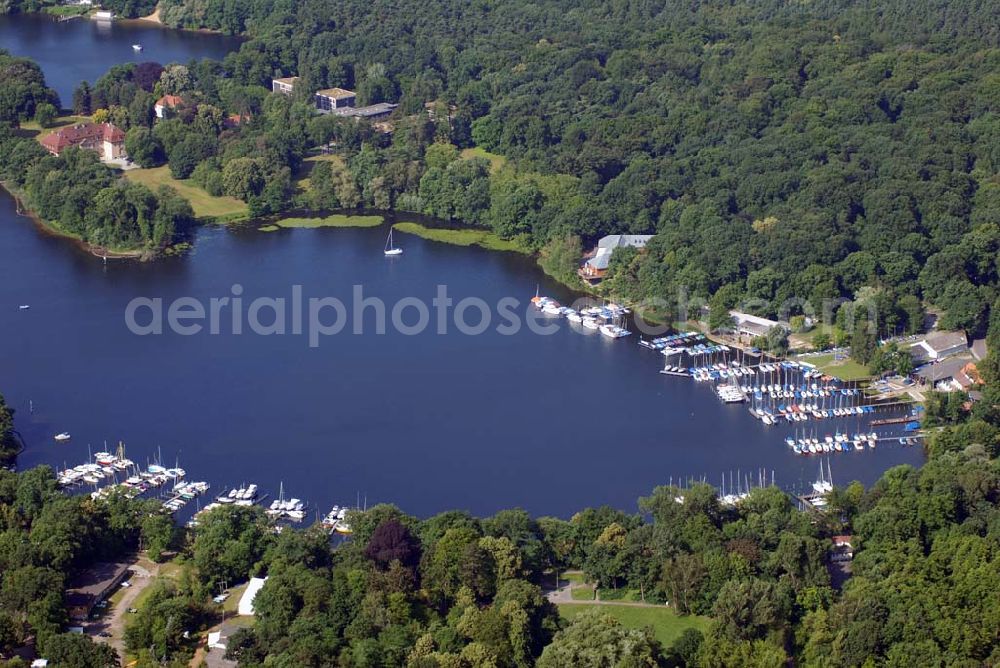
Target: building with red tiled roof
235,120
105,138
165,103
843,549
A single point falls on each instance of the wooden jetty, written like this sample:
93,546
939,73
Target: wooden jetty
895,420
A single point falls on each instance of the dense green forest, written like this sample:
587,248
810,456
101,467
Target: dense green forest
456,591
78,195
74,191
9,445
45,537
23,90
123,8
826,150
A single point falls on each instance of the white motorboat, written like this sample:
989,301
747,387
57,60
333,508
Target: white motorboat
63,436
552,308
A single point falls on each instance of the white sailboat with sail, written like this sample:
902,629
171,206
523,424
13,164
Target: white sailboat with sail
390,249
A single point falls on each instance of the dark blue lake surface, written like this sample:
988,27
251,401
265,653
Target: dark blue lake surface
81,49
430,422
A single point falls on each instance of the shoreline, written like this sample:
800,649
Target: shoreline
155,20
152,18
148,20
86,246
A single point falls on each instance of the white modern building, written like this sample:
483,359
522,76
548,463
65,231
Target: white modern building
284,85
753,326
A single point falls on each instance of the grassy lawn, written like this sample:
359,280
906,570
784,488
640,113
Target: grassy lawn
116,598
219,209
67,10
233,602
144,595
335,220
302,177
575,578
845,369
620,595
666,624
466,237
496,161
31,128
582,593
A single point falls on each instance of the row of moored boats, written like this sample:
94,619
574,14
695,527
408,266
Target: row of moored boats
606,319
836,443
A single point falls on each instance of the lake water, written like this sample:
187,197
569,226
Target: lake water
82,49
429,422
551,423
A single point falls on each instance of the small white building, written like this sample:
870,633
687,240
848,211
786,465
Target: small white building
167,104
249,594
284,85
754,326
215,640
103,15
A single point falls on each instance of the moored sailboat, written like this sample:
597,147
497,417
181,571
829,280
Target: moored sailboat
390,249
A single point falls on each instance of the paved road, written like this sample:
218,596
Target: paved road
114,622
564,596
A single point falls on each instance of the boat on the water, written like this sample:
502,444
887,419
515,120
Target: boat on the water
390,249
63,436
24,307
614,331
137,47
552,308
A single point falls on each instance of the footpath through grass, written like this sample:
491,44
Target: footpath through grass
218,209
463,237
667,625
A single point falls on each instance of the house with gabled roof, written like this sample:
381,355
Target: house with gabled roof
596,265
938,346
106,139
166,104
